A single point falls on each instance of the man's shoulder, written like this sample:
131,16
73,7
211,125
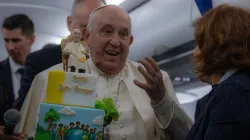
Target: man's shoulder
134,67
70,43
4,63
43,59
45,51
204,99
133,63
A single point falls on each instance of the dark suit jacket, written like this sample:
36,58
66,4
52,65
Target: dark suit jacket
202,102
35,63
6,88
226,114
200,105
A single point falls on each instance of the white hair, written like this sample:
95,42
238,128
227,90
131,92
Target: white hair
93,13
76,30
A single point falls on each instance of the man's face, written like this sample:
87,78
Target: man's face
80,16
109,39
76,34
17,45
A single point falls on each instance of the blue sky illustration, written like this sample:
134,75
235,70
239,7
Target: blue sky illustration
72,114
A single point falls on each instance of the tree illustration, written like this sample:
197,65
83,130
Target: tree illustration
50,117
111,112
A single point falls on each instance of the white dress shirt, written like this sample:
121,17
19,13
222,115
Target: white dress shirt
125,127
15,76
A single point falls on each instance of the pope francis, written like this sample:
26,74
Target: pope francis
143,94
76,51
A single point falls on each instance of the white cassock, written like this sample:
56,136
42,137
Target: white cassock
138,120
76,57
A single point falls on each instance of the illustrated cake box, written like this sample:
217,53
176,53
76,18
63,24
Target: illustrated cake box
59,122
67,112
70,88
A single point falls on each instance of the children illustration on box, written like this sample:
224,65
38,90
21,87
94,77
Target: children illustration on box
78,130
73,131
63,123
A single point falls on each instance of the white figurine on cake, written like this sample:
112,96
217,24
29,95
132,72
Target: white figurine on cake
77,53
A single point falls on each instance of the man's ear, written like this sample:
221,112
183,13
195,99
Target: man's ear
131,40
32,39
85,34
69,22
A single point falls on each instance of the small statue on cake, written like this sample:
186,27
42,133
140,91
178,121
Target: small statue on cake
74,53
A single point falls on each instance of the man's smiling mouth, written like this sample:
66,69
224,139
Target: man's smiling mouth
112,53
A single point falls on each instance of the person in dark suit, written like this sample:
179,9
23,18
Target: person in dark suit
18,35
200,104
43,59
49,45
222,59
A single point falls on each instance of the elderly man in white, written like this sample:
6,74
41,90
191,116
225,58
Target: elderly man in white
76,51
148,106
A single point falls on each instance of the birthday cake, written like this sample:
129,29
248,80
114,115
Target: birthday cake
70,110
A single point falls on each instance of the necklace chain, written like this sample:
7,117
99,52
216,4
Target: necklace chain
107,129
